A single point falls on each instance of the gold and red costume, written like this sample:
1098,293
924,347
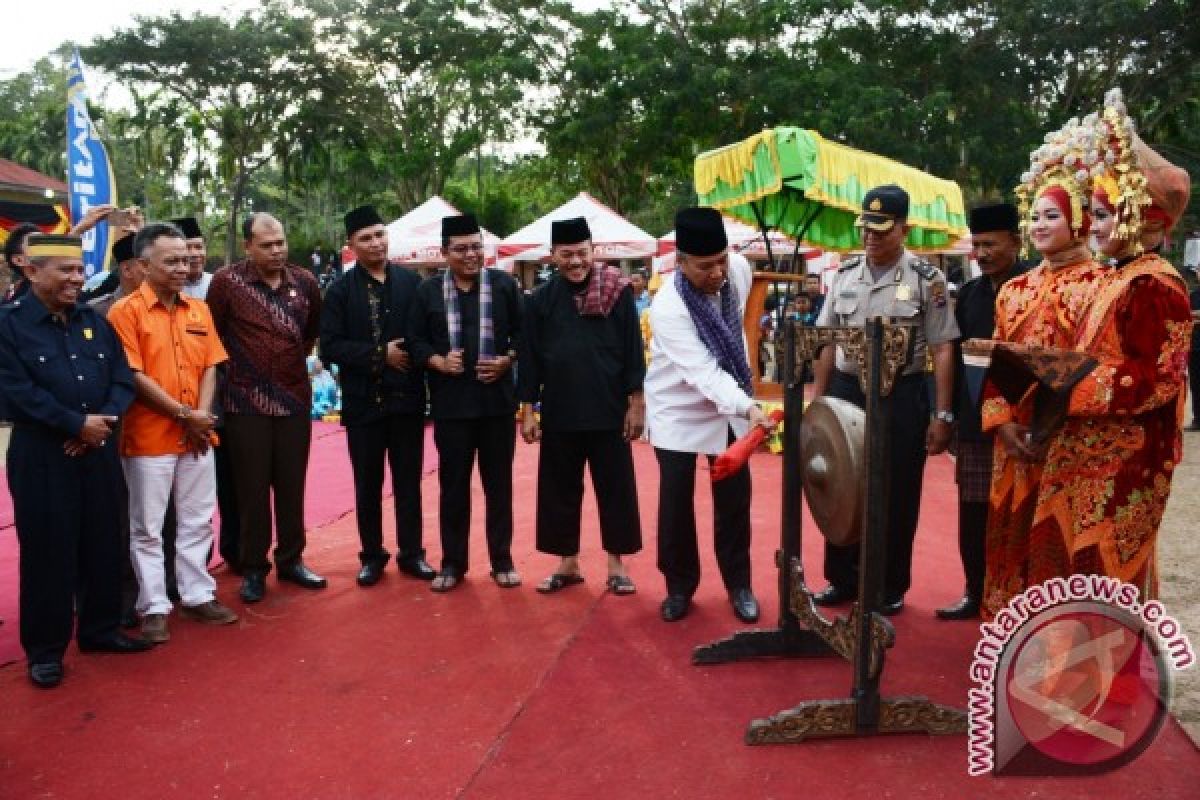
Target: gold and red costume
1045,307
1095,503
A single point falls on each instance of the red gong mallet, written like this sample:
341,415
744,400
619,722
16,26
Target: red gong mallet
740,451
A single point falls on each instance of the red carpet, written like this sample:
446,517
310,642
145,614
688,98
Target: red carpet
395,692
330,496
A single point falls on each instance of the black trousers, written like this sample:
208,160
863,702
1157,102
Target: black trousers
230,538
678,551
67,512
906,467
972,544
401,439
270,461
561,462
458,441
1194,384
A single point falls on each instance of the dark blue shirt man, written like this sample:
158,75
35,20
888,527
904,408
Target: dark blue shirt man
64,382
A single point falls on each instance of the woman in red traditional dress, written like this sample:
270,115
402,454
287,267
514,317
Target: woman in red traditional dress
1045,307
1105,498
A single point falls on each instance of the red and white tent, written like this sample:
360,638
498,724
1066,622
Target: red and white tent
613,236
416,238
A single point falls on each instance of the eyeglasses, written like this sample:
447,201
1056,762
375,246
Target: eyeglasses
463,249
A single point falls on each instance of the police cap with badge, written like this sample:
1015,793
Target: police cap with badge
883,207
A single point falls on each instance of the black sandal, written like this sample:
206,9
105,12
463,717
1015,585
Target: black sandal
445,582
621,584
559,580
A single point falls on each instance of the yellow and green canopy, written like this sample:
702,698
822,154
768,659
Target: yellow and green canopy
793,180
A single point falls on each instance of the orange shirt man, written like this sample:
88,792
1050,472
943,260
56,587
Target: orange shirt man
173,350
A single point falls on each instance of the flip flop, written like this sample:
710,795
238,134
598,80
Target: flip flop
444,582
620,584
559,580
506,578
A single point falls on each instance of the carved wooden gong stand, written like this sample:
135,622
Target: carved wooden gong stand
881,350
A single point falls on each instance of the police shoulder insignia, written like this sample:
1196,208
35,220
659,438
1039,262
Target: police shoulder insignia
924,269
937,293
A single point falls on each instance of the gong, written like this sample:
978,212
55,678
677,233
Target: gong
833,453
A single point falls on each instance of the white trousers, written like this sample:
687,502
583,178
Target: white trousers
152,481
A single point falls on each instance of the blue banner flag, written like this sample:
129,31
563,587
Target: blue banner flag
90,179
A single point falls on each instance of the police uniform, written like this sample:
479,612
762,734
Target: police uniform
911,291
67,509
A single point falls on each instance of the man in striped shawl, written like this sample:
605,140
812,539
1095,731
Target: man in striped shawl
465,329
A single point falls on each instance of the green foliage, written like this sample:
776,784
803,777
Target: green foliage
310,107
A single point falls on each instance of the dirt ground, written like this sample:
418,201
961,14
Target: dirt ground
1178,557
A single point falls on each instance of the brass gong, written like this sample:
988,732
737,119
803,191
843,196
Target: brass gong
833,452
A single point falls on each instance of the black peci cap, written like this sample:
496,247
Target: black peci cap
459,225
994,217
569,231
361,217
700,231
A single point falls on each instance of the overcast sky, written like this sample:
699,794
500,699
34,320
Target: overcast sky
40,28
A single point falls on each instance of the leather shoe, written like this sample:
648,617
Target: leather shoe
745,607
115,642
370,573
254,586
129,619
46,676
966,608
417,568
892,607
301,576
832,595
675,607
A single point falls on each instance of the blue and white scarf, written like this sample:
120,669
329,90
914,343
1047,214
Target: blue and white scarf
487,331
721,333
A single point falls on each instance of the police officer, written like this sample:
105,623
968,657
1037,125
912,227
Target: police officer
64,381
889,281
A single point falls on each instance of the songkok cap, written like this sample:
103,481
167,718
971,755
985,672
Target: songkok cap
569,231
700,231
459,225
122,249
361,217
994,217
882,206
48,245
189,227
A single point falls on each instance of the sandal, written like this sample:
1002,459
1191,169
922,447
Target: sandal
620,584
444,582
559,580
506,578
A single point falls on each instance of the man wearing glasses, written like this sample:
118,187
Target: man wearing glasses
465,330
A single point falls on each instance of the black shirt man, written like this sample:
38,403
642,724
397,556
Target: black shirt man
364,325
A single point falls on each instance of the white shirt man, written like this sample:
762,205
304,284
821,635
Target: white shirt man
699,399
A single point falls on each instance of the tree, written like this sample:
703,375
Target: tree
245,88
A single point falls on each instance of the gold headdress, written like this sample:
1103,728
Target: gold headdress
1143,188
1070,159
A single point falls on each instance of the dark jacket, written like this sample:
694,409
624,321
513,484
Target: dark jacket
975,313
371,390
463,396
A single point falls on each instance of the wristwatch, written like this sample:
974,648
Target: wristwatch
944,416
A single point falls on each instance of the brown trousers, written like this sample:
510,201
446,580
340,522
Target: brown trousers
269,457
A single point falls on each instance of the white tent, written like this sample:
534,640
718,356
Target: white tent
416,238
613,236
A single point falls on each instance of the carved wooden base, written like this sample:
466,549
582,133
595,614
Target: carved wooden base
824,719
787,642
